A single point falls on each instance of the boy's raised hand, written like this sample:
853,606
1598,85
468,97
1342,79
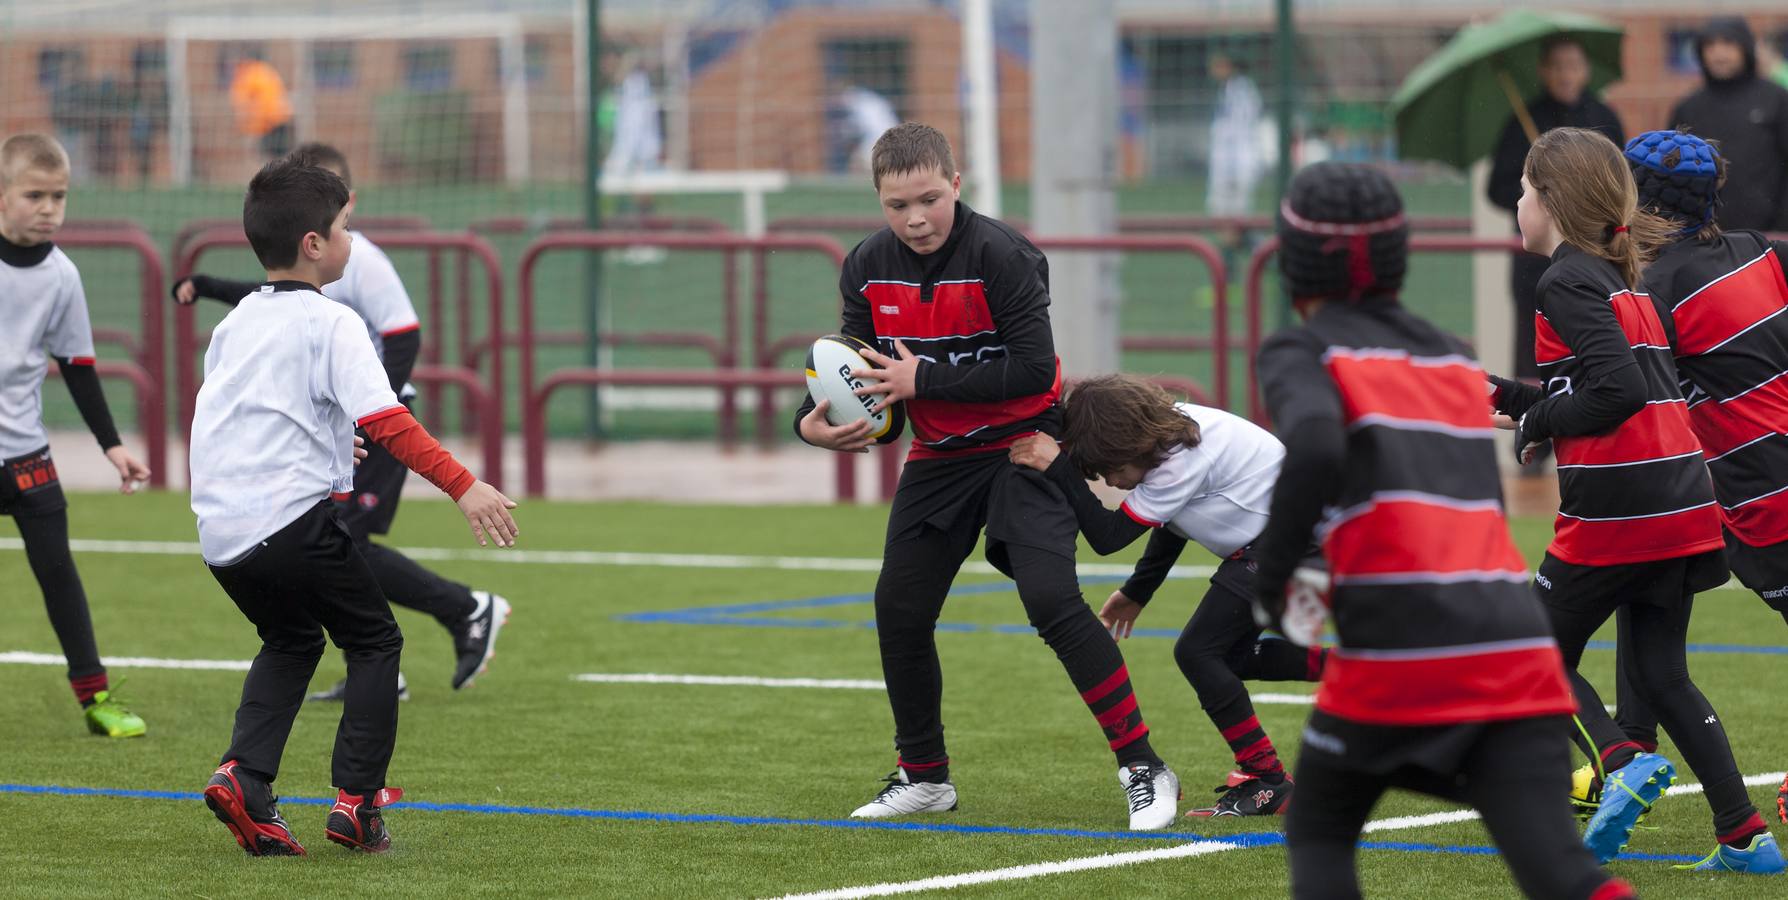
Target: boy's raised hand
1036,451
185,293
132,474
896,379
816,430
488,512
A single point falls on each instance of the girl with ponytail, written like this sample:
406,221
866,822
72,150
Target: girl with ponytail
1638,530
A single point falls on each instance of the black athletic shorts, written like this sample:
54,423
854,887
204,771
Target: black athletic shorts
1762,569
1420,758
378,484
31,486
1017,505
1662,582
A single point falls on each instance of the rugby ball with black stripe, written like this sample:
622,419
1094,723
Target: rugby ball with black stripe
830,362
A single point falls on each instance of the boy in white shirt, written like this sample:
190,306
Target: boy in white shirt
1194,473
288,376
370,286
45,316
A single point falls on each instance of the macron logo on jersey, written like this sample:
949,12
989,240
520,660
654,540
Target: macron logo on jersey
888,310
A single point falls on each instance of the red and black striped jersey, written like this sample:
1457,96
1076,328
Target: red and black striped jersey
976,310
1723,302
1633,486
1431,606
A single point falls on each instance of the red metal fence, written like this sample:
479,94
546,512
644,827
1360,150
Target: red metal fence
146,369
726,378
483,388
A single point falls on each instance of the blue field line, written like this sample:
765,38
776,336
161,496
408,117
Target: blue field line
742,615
1240,841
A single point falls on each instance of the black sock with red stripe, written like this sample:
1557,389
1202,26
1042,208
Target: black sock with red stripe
932,771
87,686
1112,702
1616,756
1248,742
1739,836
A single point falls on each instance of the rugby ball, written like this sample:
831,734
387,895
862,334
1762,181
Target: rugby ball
830,362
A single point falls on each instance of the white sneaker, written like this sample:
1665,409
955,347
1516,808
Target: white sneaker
903,798
1153,793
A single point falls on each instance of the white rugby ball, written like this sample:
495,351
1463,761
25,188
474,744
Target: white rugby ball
830,362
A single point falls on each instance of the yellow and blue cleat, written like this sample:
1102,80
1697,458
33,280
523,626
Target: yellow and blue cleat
1762,857
1627,796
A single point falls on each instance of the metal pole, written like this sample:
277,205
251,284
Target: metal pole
593,206
1074,127
983,112
1285,51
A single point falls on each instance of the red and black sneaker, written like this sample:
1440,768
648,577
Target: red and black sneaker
1253,797
355,822
246,805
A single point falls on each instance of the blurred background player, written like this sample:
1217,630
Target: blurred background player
263,109
289,375
1446,679
971,294
370,286
1748,115
1638,527
1193,473
45,316
1564,102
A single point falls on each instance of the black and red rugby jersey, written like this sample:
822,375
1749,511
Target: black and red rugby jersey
977,310
1435,619
1723,302
1633,486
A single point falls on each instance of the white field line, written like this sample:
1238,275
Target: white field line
730,680
824,683
1018,873
1197,848
609,558
1467,815
22,657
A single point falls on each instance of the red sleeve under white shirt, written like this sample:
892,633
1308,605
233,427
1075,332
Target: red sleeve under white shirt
288,375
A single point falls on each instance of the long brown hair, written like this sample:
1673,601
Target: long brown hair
1585,186
1111,421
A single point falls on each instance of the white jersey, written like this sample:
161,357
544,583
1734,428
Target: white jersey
43,313
371,288
1216,493
287,376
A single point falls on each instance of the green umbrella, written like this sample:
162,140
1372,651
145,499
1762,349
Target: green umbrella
1453,106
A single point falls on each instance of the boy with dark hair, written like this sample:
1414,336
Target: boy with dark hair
46,316
1445,678
971,296
371,288
288,377
1193,473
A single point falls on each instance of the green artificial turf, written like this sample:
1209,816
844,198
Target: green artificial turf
1025,754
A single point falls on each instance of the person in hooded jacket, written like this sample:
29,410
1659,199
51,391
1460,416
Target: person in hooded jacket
1748,116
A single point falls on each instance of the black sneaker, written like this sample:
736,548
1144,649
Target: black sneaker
355,822
1254,797
475,638
246,806
340,690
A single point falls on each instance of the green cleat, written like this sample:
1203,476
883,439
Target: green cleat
108,716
